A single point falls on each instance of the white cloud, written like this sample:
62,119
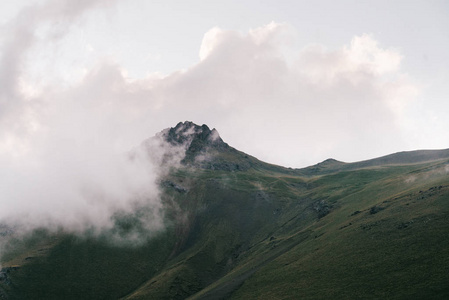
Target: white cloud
364,52
209,42
362,58
62,164
61,147
327,103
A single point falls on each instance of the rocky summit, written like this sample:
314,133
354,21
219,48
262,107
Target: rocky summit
239,228
196,139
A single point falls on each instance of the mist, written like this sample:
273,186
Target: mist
65,162
66,136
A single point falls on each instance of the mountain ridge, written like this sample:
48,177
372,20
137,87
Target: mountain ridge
201,140
240,228
398,158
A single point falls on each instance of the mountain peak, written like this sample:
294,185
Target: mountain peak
330,161
194,138
185,132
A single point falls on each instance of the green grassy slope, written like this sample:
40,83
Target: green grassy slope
242,229
361,233
400,158
86,268
389,245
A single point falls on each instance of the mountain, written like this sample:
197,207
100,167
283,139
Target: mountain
240,228
401,158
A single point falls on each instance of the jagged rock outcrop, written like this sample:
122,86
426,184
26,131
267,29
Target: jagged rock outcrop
196,139
203,147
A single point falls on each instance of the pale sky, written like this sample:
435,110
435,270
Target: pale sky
289,82
156,45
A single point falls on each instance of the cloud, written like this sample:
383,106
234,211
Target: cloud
362,59
62,147
323,103
62,163
74,168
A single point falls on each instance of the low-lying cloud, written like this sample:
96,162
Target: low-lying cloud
64,148
64,165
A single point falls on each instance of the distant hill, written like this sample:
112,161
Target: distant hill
240,228
400,158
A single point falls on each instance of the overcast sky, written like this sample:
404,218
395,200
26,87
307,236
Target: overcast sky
290,82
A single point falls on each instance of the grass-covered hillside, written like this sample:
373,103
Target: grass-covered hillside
238,228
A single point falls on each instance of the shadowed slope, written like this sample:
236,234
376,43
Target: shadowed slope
240,228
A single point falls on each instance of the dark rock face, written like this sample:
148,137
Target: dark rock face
199,142
322,208
194,135
174,186
196,146
375,209
195,138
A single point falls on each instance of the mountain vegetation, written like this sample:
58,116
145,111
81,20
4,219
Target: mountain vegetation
239,228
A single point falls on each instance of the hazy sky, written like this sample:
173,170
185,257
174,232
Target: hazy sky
291,82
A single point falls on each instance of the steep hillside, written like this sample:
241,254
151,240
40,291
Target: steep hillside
240,228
